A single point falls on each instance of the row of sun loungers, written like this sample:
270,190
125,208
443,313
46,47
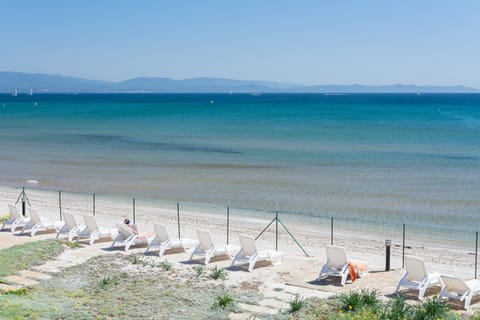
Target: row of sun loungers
414,277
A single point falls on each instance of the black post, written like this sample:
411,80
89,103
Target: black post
476,253
133,211
276,230
60,203
403,247
331,231
178,218
94,204
228,222
24,208
388,244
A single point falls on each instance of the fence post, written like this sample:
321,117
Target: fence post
276,230
24,207
178,218
228,222
476,253
94,204
133,204
403,247
60,203
331,231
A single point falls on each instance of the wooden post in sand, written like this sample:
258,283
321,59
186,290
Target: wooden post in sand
228,222
94,204
403,247
133,210
178,219
276,230
331,231
476,253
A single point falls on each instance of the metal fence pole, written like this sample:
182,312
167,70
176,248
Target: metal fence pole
228,222
403,247
133,204
60,203
94,204
476,253
276,230
331,231
178,218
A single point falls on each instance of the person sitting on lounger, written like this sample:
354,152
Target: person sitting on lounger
131,225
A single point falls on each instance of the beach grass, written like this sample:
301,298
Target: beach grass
25,256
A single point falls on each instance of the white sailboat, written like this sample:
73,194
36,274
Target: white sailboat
15,93
31,92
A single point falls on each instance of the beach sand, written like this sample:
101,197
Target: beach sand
297,273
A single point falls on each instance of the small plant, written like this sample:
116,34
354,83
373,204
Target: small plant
296,304
18,292
218,273
166,266
396,309
4,218
224,301
431,309
355,300
135,259
71,244
106,281
199,270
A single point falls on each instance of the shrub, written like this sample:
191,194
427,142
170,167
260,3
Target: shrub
199,270
224,301
165,265
355,300
431,309
106,281
218,273
296,304
396,309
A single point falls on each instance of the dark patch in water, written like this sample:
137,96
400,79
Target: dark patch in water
130,143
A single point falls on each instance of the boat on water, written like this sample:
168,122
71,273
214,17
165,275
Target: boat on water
15,92
31,92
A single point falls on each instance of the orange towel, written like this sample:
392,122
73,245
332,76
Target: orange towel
353,273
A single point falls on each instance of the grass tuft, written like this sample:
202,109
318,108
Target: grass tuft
296,304
218,273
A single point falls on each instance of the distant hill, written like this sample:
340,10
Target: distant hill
23,82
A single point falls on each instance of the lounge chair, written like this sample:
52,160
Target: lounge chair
15,219
70,227
458,289
249,254
337,263
38,223
416,276
164,242
93,232
127,238
208,249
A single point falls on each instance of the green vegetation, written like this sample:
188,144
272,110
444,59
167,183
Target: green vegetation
296,304
71,244
166,266
25,256
4,218
218,273
199,270
224,301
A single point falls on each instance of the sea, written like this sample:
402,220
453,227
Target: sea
384,157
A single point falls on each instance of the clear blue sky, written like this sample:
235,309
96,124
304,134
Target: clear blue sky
313,42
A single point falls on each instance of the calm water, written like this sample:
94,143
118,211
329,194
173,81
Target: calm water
391,157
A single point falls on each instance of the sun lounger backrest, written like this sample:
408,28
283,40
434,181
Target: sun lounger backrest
90,223
124,230
336,256
205,238
248,245
70,221
416,268
455,284
35,217
13,211
161,232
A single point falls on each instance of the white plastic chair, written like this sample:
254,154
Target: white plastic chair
336,264
127,238
208,249
416,276
15,219
249,254
38,223
92,231
162,241
70,227
458,289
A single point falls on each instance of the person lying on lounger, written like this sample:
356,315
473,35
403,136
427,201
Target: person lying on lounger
132,227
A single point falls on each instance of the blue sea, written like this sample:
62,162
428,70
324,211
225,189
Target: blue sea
395,157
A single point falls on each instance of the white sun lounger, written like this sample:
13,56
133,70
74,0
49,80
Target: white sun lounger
70,227
458,289
249,254
416,276
38,223
15,220
336,264
92,231
164,242
208,249
127,238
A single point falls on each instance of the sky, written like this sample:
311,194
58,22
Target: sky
434,42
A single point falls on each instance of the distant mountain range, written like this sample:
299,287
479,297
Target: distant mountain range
47,83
